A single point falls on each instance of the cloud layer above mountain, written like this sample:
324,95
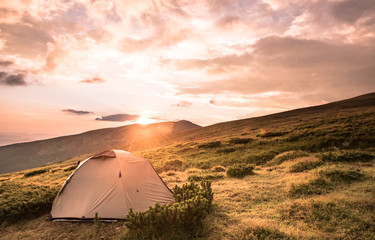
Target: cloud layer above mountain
206,61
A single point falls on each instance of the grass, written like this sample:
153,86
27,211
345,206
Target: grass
35,172
320,186
305,166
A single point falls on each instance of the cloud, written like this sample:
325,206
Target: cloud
16,43
7,12
287,64
52,56
12,80
76,112
223,61
350,11
93,80
185,104
118,118
6,63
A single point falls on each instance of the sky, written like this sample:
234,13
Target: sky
72,66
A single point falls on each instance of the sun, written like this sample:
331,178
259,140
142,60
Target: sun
145,120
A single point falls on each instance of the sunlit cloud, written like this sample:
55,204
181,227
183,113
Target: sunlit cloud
209,61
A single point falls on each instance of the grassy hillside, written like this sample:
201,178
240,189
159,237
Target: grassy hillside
35,154
313,177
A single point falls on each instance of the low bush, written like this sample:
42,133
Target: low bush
305,166
347,176
213,144
260,158
184,217
205,176
19,201
240,170
34,173
240,140
346,156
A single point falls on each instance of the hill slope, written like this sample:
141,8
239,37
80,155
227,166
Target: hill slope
279,121
313,178
35,154
137,137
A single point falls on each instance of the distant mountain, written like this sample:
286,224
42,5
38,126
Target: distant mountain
21,156
138,137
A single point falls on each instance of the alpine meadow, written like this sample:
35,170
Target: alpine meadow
301,174
187,120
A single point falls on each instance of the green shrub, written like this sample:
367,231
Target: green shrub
348,176
346,156
240,170
213,144
184,217
260,158
205,176
19,201
34,173
240,140
305,166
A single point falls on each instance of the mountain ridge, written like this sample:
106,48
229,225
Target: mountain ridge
137,137
20,156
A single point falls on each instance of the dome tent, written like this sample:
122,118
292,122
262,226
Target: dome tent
110,183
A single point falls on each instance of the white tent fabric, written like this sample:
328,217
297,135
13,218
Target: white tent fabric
110,184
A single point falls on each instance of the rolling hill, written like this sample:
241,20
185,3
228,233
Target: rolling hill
138,137
21,156
302,174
